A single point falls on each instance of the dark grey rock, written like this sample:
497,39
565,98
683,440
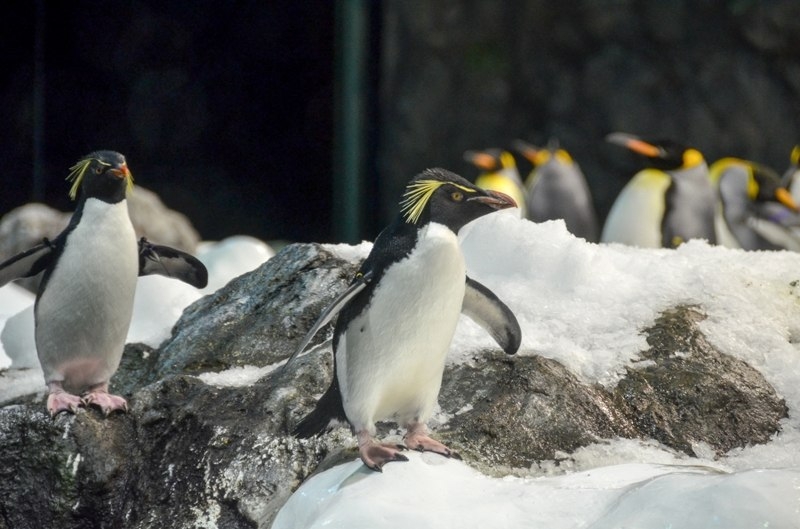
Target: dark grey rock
192,454
154,220
524,410
258,318
693,393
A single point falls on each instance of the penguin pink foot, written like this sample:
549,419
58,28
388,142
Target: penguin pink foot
100,397
375,454
417,439
59,400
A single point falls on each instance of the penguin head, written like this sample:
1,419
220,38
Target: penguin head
437,195
539,156
665,155
103,175
764,185
491,160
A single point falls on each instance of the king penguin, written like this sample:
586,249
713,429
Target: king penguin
499,172
791,178
398,316
556,189
85,300
754,211
666,204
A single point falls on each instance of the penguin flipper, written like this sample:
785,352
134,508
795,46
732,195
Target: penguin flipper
169,262
27,263
483,307
358,284
329,408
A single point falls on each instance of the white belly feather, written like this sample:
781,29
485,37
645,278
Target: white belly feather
82,317
390,362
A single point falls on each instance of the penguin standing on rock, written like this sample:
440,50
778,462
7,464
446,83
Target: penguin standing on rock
85,301
666,204
398,316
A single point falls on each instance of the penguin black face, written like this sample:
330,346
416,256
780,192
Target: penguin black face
103,175
437,195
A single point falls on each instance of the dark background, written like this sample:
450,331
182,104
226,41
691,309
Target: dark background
226,109
223,108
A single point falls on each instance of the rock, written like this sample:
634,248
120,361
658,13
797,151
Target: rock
689,392
258,318
161,225
532,409
198,449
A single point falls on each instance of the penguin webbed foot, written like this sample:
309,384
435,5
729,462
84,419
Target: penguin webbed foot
101,398
375,454
59,400
418,439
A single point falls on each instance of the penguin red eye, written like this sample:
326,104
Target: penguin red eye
457,196
98,170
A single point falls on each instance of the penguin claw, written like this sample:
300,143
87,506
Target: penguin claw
375,455
107,402
61,401
416,440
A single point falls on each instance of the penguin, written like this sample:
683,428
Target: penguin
556,189
665,204
84,303
791,178
754,211
499,173
398,316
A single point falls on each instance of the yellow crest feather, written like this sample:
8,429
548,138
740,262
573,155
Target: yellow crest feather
416,198
418,194
76,176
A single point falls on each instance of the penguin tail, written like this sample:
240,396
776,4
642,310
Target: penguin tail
329,408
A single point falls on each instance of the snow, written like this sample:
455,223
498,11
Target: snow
238,376
431,491
584,305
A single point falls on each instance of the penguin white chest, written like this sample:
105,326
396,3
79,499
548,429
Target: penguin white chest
390,360
83,314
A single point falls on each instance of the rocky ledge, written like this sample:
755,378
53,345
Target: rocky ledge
205,450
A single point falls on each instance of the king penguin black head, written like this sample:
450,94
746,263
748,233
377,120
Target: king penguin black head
666,155
103,175
437,195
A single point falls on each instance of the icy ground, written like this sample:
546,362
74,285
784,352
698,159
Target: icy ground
584,305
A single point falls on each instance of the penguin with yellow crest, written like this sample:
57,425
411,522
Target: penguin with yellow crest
395,321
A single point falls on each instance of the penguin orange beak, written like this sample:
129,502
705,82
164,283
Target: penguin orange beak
481,160
635,144
495,199
783,196
121,172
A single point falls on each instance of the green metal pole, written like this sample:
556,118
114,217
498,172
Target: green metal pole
352,20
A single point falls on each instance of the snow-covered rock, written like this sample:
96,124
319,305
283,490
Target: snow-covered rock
658,377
